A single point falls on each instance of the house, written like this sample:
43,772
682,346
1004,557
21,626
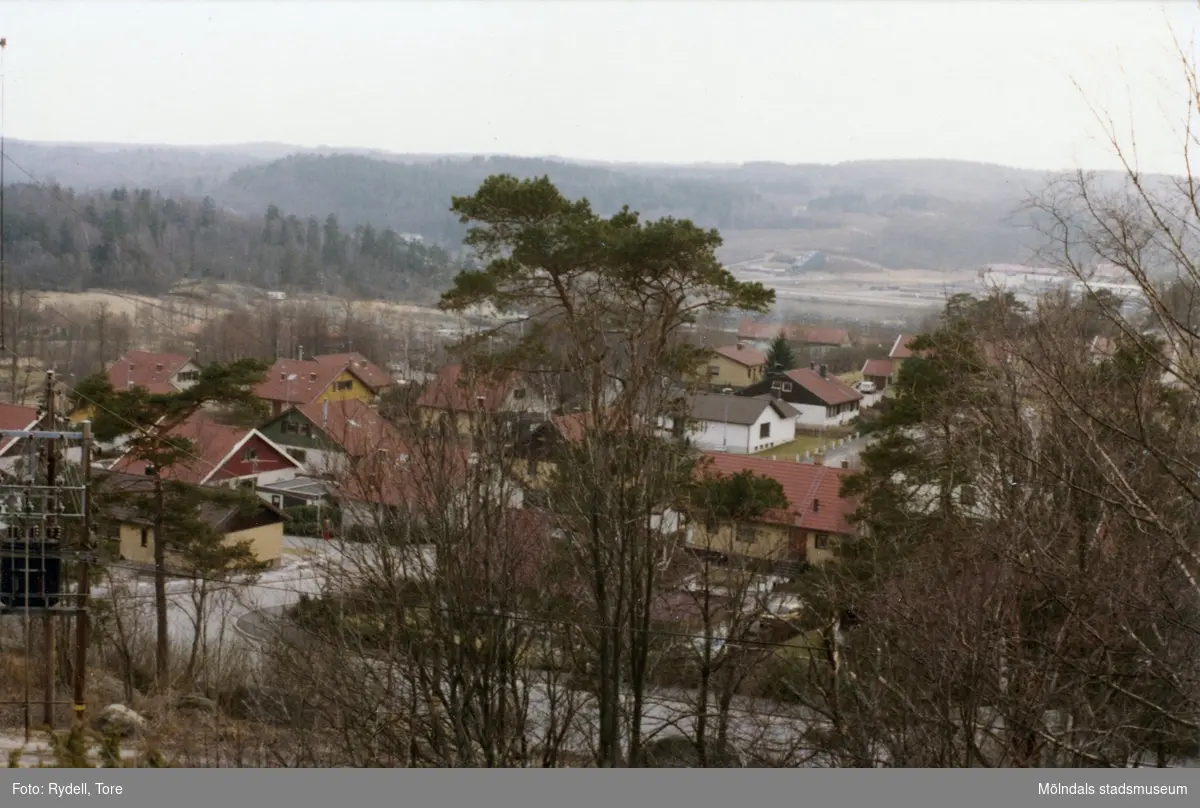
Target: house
734,366
878,372
728,423
321,436
221,455
901,350
430,480
133,533
817,339
331,377
459,397
157,373
820,399
815,521
16,417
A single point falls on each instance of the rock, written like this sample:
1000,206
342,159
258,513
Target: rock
195,701
119,720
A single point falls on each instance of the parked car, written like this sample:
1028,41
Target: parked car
866,388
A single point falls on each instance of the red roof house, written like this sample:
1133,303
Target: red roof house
816,509
221,455
158,373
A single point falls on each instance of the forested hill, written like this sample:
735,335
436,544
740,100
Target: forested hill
143,241
415,198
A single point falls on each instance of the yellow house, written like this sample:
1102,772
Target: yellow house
333,378
734,366
807,531
133,533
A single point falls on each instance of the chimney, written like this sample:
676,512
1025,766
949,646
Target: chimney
824,371
845,464
741,346
812,366
819,459
816,506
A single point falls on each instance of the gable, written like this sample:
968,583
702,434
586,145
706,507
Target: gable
254,456
294,428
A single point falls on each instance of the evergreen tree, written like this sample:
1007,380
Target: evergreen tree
780,357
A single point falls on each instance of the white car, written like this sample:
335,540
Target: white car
866,388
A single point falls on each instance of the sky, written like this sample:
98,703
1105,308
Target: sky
1016,83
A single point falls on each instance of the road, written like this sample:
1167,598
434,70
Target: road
848,451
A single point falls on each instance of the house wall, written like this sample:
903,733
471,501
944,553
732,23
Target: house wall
718,436
266,541
356,389
182,384
729,373
319,456
811,415
267,469
770,542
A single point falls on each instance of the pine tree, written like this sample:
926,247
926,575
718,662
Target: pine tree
780,358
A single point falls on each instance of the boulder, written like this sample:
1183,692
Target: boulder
120,721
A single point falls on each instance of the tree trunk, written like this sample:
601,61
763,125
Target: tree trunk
162,647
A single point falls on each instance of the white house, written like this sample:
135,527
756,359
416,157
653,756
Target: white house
820,398
729,423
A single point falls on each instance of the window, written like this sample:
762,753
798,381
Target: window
306,430
188,375
312,377
776,385
746,533
298,455
714,370
966,496
276,501
145,537
343,386
787,387
250,455
519,393
291,428
821,541
764,430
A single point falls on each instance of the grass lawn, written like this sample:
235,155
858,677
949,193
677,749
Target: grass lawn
788,451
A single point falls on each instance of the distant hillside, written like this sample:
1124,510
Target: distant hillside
416,198
142,241
927,214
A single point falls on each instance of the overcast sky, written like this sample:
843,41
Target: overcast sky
682,81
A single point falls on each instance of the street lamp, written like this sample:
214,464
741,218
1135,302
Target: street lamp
725,433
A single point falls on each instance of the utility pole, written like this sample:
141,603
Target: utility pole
85,586
50,641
